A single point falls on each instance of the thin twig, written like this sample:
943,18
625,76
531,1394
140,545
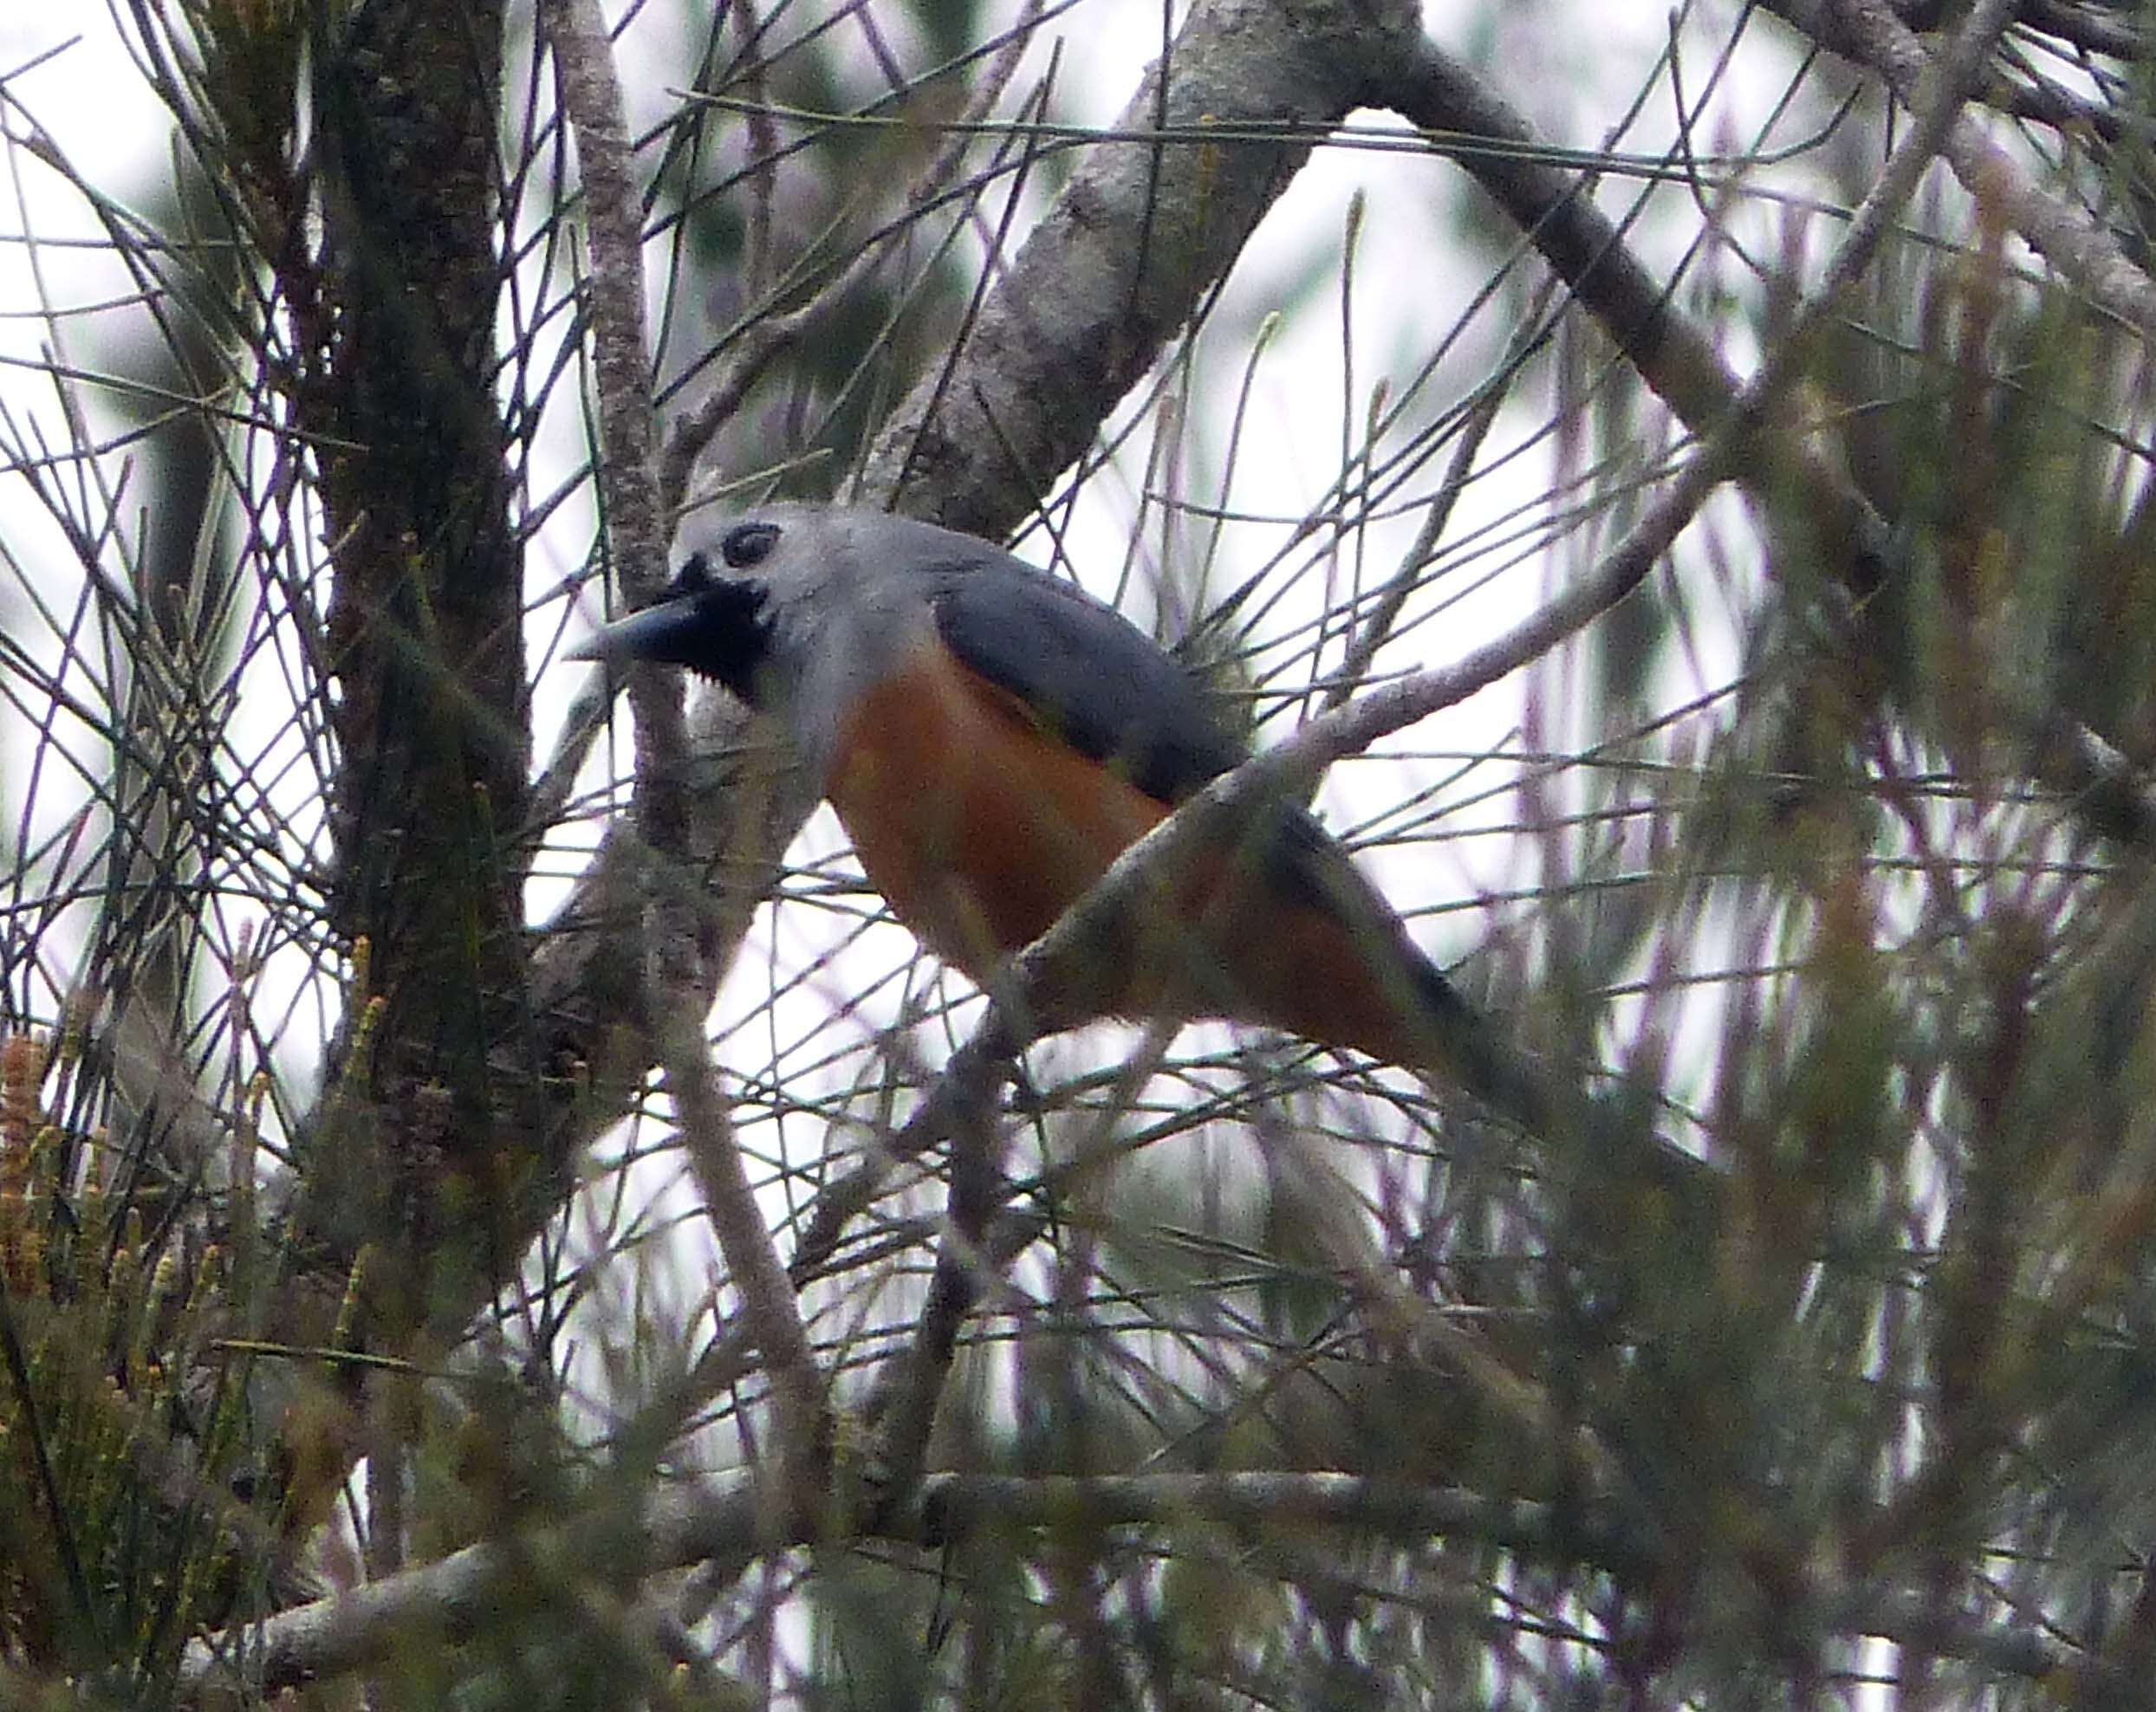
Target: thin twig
1782,465
680,985
773,335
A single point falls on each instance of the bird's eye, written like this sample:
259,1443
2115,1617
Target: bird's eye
747,544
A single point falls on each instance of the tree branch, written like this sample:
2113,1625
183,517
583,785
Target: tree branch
721,1524
1784,466
1143,232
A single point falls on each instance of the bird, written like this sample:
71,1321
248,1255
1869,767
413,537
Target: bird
992,737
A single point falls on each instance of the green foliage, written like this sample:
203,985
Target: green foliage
123,1429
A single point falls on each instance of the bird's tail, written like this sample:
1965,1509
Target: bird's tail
1602,1148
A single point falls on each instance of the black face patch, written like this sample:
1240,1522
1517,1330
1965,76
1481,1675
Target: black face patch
693,578
716,625
733,633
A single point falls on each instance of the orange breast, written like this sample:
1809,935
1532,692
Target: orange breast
981,828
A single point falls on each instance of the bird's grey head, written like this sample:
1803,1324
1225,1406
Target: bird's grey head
716,617
799,610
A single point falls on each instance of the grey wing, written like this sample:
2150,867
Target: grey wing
1092,677
1113,694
